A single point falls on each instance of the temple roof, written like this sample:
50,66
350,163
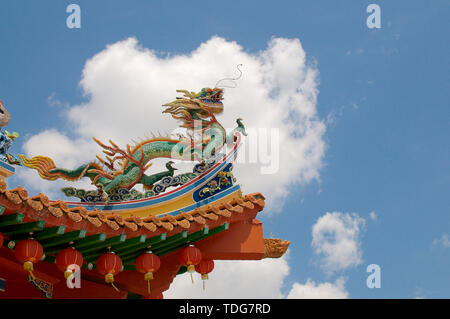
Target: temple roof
40,204
92,232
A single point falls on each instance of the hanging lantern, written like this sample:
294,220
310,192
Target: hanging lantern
108,265
1,240
67,257
147,264
190,256
29,252
204,267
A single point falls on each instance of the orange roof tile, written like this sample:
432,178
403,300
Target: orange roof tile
18,200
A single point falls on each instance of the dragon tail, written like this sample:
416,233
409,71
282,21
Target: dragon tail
48,170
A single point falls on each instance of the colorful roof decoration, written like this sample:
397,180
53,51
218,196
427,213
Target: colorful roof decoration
106,230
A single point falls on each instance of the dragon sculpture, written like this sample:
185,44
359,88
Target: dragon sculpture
195,111
6,138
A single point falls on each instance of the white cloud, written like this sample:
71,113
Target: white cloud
335,239
444,241
61,149
263,279
373,216
125,86
235,279
53,101
311,290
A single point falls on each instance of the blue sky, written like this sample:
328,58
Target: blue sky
383,96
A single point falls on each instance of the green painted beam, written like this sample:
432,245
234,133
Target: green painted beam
132,254
197,236
43,234
93,255
50,259
153,243
117,247
128,244
166,250
2,210
172,239
62,239
90,241
181,242
129,267
178,241
104,244
214,231
50,232
23,228
11,219
82,242
201,233
156,239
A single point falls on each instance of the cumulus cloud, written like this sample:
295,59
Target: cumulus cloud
443,241
311,290
235,279
336,241
263,279
126,84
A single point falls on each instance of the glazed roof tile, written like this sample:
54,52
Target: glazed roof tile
184,220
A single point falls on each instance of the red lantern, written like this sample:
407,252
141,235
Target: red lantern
190,256
108,265
1,240
29,252
67,257
147,264
204,268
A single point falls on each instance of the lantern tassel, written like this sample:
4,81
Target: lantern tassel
114,286
148,287
109,278
203,285
28,266
192,279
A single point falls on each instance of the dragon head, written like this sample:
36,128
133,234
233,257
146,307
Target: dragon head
195,106
211,98
4,115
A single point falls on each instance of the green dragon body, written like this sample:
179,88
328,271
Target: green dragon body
195,110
